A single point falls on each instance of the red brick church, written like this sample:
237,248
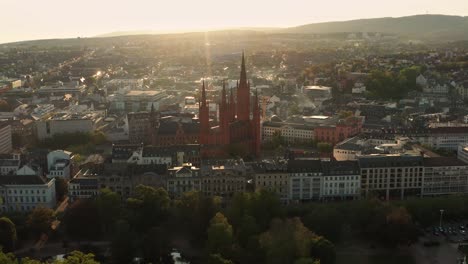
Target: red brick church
239,126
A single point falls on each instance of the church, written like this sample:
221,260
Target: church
238,131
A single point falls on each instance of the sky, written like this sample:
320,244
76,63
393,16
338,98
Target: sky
39,19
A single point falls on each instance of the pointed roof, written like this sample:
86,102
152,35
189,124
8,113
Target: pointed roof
243,74
223,94
203,99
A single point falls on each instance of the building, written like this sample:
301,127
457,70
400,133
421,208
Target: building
391,176
123,178
59,164
140,126
272,176
63,123
305,179
290,132
462,153
223,178
181,179
444,175
136,101
338,132
236,127
175,133
448,138
9,164
6,145
25,192
83,186
341,180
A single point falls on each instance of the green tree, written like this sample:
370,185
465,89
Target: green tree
247,229
218,259
326,221
156,245
40,220
324,147
82,220
61,188
323,250
77,257
286,241
148,207
220,237
123,244
7,234
109,208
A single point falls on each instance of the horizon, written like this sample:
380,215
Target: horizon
55,20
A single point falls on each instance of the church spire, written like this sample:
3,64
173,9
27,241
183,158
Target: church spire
243,73
203,95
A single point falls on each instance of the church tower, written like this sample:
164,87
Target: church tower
204,117
243,95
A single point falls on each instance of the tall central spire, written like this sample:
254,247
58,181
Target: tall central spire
243,94
243,73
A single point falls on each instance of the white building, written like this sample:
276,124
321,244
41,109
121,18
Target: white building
9,164
6,145
462,153
47,128
59,164
444,175
26,192
183,179
341,180
291,133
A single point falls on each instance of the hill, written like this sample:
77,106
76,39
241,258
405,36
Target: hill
426,27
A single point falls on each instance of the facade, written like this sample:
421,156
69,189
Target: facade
443,175
341,180
59,164
50,127
171,133
136,101
140,126
9,164
6,145
291,133
236,126
442,137
223,181
336,133
185,178
462,153
391,176
83,186
25,192
305,179
123,178
272,176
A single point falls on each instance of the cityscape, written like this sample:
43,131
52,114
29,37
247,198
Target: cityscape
317,143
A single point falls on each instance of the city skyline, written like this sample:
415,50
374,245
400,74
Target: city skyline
28,20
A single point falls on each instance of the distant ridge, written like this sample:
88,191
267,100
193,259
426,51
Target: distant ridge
434,27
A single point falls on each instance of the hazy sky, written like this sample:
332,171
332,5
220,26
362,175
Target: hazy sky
33,19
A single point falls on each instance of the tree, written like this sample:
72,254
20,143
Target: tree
82,220
77,257
286,241
148,207
61,188
220,236
399,228
323,250
7,234
247,229
123,243
156,245
108,206
218,259
324,147
326,221
306,261
40,220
